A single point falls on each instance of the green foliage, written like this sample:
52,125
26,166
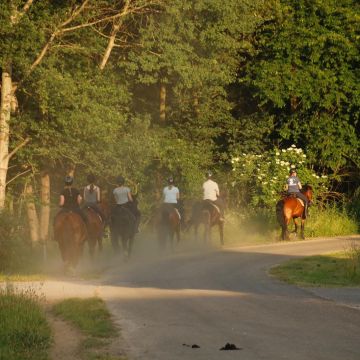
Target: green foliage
24,332
258,179
305,70
12,253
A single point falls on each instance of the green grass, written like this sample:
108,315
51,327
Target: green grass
22,277
93,319
338,269
89,315
330,222
24,331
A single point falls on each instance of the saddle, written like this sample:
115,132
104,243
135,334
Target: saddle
209,202
298,199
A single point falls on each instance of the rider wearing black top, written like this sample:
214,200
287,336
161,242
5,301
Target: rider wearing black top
70,198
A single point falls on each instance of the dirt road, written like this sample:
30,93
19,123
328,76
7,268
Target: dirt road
214,297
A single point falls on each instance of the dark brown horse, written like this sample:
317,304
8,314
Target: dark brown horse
70,232
292,208
207,214
122,225
95,228
167,225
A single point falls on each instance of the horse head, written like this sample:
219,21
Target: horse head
308,191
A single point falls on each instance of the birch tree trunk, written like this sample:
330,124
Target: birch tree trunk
162,103
5,109
32,214
45,207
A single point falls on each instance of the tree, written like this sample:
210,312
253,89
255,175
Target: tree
305,73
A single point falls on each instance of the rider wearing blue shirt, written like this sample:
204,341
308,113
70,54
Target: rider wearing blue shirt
293,187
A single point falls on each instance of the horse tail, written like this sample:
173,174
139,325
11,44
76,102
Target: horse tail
280,212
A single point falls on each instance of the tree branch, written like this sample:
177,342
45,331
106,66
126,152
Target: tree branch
15,18
14,151
16,176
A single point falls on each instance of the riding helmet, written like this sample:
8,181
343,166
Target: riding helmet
170,180
68,180
91,178
120,180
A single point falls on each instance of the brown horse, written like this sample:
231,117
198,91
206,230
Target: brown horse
95,228
167,224
292,208
70,232
207,214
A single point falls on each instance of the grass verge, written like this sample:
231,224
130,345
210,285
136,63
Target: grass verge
337,269
24,331
93,319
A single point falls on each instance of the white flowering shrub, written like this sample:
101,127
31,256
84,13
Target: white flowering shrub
258,179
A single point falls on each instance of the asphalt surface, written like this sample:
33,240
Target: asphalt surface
213,297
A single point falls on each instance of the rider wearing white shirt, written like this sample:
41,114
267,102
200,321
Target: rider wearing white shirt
171,193
212,193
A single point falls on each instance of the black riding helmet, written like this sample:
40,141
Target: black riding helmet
120,180
68,180
170,180
91,178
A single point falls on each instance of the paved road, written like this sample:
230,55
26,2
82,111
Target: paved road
214,297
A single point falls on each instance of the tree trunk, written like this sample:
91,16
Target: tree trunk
45,206
5,109
31,214
162,103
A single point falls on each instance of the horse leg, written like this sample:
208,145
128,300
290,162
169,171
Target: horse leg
196,231
284,229
296,227
131,243
177,232
115,240
125,245
221,231
206,233
92,242
302,232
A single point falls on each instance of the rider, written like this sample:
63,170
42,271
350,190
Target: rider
171,196
70,198
293,187
92,196
124,198
212,193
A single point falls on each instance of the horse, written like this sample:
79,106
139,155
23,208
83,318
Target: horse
70,233
208,214
95,227
292,208
167,224
122,224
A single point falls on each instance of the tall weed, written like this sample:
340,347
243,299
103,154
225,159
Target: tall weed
24,331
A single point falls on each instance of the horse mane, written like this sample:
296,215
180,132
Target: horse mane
306,187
